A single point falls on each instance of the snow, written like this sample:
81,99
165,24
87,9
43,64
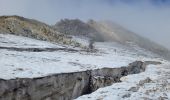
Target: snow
131,87
7,40
25,64
83,40
154,83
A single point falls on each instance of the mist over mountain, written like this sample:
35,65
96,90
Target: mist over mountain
114,32
109,31
148,18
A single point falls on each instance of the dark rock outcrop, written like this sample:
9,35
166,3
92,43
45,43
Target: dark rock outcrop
54,87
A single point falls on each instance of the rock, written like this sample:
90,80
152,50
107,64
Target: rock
126,95
134,89
147,80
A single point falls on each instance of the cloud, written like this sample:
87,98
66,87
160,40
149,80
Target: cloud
149,18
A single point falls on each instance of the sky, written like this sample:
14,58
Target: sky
149,18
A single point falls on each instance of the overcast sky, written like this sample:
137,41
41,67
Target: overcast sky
149,18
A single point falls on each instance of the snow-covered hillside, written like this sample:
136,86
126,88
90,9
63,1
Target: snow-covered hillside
25,64
154,83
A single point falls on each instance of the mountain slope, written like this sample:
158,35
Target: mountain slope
31,28
65,29
109,31
114,32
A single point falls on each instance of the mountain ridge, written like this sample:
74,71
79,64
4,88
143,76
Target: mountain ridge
21,26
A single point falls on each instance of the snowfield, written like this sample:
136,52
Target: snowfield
154,83
24,42
16,64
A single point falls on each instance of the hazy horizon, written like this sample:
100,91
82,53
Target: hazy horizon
149,18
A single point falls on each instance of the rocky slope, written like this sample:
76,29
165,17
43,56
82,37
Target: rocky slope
32,28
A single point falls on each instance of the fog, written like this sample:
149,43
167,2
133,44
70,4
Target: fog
149,18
